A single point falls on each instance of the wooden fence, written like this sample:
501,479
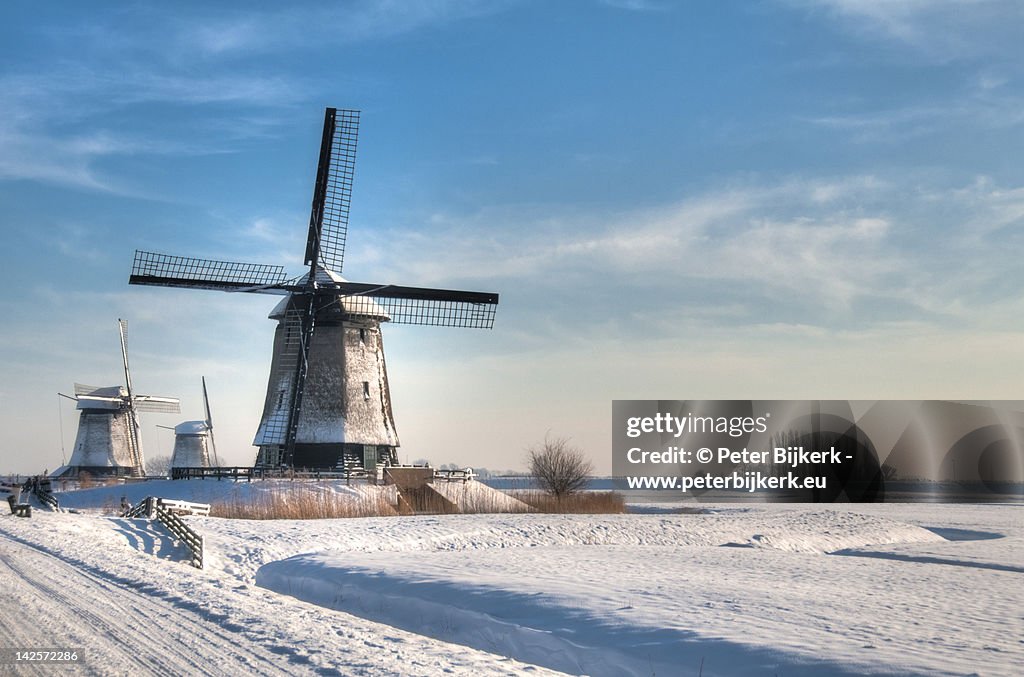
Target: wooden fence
183,532
246,473
464,475
168,512
47,498
348,473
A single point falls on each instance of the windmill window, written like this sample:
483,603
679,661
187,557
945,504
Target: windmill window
366,390
362,335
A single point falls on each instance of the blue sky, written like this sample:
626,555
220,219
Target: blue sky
771,199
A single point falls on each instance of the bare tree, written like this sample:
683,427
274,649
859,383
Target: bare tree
158,465
560,468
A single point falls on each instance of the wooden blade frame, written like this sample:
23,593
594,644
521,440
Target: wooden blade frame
157,405
164,270
209,424
419,305
332,193
135,445
431,312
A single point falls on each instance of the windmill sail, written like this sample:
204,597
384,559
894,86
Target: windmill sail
135,441
418,305
81,389
209,424
280,401
332,193
157,405
163,270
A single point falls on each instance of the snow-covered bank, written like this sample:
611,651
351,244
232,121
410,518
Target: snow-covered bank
108,498
661,595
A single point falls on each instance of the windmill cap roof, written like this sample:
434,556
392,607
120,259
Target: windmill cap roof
191,428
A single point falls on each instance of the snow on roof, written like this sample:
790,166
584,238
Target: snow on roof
191,428
363,306
474,497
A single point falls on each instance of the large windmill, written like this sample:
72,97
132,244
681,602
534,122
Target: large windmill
327,400
108,441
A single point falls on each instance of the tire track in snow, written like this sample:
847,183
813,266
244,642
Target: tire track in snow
124,625
14,631
274,634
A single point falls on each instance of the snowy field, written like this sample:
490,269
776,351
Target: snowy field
753,590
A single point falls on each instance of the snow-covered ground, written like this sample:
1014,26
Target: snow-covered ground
751,590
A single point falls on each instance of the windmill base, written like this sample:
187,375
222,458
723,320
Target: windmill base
329,456
97,472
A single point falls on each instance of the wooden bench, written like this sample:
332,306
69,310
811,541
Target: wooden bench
19,509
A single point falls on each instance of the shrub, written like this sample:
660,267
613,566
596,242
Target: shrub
158,466
559,468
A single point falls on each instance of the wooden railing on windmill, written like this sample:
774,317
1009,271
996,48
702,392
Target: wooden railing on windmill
402,475
328,329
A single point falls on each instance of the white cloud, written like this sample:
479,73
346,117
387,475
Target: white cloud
306,25
43,130
636,5
164,59
981,110
278,241
943,30
855,251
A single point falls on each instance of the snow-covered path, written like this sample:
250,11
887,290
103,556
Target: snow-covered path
120,628
119,590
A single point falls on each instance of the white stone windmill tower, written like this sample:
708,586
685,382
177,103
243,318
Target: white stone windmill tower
108,442
194,446
328,400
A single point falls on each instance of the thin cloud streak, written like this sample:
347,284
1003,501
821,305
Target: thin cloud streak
941,30
41,116
307,25
990,112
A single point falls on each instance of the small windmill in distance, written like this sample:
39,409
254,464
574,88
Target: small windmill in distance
194,446
108,442
328,402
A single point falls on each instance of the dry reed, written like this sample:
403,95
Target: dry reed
302,503
582,503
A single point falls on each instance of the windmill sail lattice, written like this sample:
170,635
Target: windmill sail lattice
328,400
332,197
